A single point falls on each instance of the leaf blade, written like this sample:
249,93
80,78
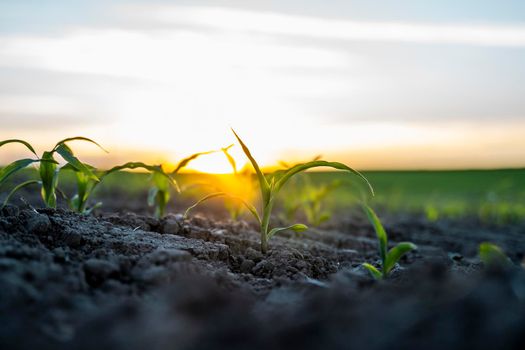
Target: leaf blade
380,231
183,163
70,158
14,190
202,200
230,159
373,271
315,164
294,227
19,141
265,186
49,178
396,253
141,165
15,166
79,138
248,206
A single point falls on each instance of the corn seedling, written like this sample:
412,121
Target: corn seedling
85,186
270,187
159,193
48,168
388,258
493,256
313,207
292,203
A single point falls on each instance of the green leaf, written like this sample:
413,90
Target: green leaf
48,176
204,199
294,227
493,256
90,210
315,164
160,181
74,203
380,231
19,141
85,186
373,271
186,160
14,167
69,157
156,169
265,186
72,168
161,200
14,190
248,206
395,254
78,138
230,158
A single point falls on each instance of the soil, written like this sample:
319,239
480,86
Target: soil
129,281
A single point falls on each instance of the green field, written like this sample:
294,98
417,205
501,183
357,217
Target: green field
492,195
495,196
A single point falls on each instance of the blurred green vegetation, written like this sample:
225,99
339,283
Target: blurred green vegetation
492,196
495,196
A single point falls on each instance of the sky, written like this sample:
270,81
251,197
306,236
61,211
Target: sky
407,84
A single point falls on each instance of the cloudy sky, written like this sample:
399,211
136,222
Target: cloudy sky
378,84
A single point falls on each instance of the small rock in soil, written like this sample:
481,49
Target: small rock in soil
172,224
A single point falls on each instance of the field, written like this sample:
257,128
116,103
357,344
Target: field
490,196
122,278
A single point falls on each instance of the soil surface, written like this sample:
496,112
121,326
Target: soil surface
128,281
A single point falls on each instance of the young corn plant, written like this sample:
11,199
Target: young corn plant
270,186
160,192
388,258
492,256
315,196
48,168
86,185
291,204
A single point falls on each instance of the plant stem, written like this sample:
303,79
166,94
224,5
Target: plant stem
267,211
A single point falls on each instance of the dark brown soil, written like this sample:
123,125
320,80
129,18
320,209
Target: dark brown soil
126,281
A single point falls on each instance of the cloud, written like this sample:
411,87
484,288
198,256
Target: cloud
39,121
272,23
167,78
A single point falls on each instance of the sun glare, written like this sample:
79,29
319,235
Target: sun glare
213,163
